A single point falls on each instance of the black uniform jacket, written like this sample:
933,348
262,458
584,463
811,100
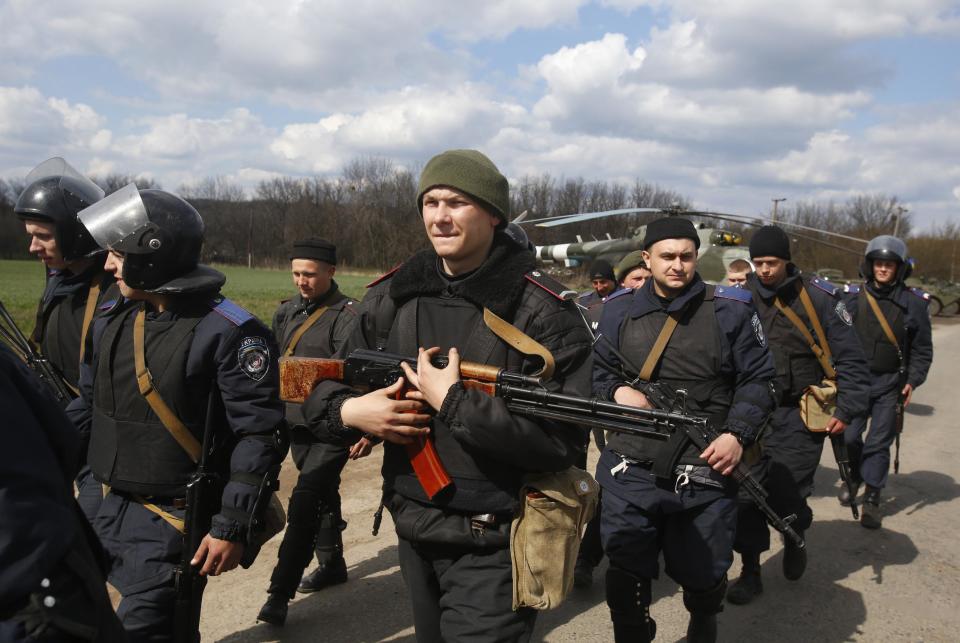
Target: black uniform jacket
734,355
485,448
797,367
322,339
227,347
906,310
38,515
60,314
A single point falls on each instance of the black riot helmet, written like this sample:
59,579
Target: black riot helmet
160,236
55,193
889,248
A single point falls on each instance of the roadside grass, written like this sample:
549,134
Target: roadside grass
259,290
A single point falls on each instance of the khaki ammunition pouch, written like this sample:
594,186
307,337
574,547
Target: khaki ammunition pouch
818,404
545,537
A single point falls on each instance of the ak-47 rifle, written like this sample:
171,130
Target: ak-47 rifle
13,337
843,465
202,503
899,410
524,395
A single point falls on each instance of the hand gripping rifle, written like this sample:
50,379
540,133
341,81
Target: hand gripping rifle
13,337
524,395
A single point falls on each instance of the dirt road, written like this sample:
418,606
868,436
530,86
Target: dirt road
896,584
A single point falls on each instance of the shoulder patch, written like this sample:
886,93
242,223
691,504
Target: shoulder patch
737,294
618,293
551,285
922,294
231,311
384,276
253,356
852,289
825,286
758,330
843,313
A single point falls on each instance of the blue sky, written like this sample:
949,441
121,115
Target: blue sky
729,102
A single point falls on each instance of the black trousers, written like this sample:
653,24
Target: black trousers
791,455
870,454
314,521
463,594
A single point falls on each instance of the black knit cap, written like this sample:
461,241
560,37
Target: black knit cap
670,228
601,269
316,250
770,241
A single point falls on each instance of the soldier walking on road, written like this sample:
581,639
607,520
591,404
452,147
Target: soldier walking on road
809,329
314,323
706,340
458,299
893,324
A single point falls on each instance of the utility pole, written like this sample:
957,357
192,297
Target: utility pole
776,202
896,220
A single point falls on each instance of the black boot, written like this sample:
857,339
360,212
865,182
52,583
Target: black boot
332,568
628,598
274,611
703,608
794,559
844,494
871,516
749,585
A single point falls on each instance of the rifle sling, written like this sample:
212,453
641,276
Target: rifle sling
884,324
170,421
520,341
663,466
822,354
92,296
303,328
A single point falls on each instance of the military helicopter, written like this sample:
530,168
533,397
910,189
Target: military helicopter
718,247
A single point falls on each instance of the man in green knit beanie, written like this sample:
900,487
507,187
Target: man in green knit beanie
470,172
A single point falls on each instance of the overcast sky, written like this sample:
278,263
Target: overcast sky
731,102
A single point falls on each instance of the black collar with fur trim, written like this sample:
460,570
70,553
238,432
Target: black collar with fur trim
497,284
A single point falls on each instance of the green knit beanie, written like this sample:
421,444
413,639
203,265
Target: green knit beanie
470,172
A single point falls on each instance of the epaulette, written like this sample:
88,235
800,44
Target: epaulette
284,301
921,293
731,292
384,276
551,285
108,305
349,305
824,285
852,289
617,293
230,311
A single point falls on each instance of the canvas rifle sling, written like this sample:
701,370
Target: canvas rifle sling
520,341
884,324
88,311
304,327
822,354
653,357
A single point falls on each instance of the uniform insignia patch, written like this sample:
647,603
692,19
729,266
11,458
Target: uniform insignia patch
758,330
254,357
843,313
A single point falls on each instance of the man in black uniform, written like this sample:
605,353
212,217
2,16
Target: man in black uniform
716,353
314,323
76,280
897,367
51,584
175,362
791,452
454,546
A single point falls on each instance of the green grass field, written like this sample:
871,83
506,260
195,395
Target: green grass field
258,290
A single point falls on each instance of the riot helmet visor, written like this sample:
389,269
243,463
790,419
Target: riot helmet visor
70,179
119,222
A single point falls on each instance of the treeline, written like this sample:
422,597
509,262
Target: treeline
369,211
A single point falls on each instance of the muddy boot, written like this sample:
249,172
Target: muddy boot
703,608
870,516
274,611
844,494
628,598
749,585
794,559
332,569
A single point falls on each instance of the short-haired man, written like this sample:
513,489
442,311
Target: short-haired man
604,283
791,452
454,546
898,363
737,272
632,270
172,365
716,353
314,323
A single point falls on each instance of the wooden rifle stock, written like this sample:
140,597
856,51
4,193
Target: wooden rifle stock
299,376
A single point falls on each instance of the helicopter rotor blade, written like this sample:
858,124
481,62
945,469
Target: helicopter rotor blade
724,217
550,222
786,224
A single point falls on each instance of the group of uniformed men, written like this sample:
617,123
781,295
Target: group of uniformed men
169,374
